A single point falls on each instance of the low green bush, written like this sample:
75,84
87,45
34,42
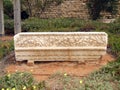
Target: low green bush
6,47
107,78
45,25
17,80
20,81
9,26
104,79
115,28
114,44
62,24
41,25
56,25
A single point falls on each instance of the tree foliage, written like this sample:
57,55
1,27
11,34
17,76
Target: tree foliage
96,6
8,8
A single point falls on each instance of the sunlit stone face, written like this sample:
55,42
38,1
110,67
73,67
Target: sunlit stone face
60,46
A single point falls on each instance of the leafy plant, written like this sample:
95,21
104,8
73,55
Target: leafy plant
8,8
115,28
96,6
20,81
114,44
5,48
9,26
58,24
17,80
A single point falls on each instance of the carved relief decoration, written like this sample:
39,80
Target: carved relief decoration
62,40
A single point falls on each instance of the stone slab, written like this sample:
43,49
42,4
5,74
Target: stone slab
60,46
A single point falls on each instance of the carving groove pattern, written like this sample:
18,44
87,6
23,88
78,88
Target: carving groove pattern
62,40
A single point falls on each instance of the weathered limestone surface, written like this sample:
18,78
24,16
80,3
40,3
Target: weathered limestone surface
60,46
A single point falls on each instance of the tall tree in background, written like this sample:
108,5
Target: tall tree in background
96,6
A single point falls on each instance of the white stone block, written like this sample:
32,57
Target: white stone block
60,46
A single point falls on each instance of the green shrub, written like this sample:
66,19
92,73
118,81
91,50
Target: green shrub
60,24
95,7
106,78
20,81
34,24
100,80
6,17
56,25
114,28
6,47
114,44
8,8
9,26
17,80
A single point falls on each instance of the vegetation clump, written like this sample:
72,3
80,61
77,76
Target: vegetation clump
97,6
20,81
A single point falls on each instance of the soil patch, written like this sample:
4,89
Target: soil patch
42,70
6,38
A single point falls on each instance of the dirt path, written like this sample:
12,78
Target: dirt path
42,70
6,38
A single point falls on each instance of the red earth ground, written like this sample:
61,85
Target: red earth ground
42,70
6,38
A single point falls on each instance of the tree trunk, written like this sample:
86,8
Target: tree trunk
1,19
17,16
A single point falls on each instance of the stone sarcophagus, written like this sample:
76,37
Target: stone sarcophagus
60,46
